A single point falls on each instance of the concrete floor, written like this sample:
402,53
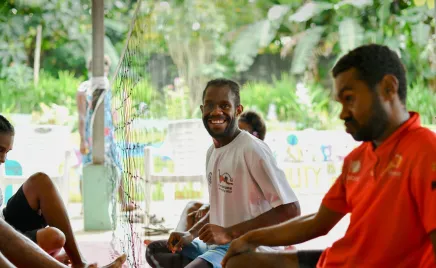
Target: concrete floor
171,210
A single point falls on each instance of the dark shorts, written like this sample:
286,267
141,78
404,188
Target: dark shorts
22,217
308,258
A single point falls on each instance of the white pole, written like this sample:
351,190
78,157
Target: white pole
98,71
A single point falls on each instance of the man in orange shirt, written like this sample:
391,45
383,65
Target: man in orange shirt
388,183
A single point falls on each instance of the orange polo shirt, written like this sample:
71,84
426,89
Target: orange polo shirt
391,195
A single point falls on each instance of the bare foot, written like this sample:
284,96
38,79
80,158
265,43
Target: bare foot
63,258
129,207
118,263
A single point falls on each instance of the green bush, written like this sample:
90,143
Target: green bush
307,105
421,99
21,96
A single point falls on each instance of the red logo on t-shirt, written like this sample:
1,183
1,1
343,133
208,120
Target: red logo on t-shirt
225,178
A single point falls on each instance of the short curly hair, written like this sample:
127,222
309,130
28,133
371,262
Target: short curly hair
5,126
222,82
372,63
256,122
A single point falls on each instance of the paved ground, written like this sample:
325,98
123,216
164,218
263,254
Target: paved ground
170,210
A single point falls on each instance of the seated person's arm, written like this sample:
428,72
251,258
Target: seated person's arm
333,208
272,217
296,230
275,189
197,227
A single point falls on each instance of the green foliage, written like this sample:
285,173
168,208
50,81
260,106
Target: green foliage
21,96
422,100
304,51
309,106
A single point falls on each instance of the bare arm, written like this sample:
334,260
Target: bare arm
272,217
197,227
81,107
296,230
22,252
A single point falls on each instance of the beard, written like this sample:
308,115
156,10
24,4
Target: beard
229,129
374,127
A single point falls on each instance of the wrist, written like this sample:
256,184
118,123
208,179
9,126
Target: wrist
231,233
193,233
249,238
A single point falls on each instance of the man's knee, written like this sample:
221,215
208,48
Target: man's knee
157,245
50,239
39,178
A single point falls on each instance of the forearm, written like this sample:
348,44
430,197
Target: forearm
272,217
196,228
21,251
82,127
81,106
292,232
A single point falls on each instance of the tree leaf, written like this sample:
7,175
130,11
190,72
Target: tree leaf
309,10
356,3
305,49
421,33
350,34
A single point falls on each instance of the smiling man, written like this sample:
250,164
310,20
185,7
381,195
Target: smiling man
387,183
246,188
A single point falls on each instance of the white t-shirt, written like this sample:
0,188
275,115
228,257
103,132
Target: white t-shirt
244,181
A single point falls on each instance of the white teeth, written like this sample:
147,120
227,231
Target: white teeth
217,121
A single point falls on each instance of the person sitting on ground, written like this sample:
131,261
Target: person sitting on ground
247,190
249,121
388,183
37,211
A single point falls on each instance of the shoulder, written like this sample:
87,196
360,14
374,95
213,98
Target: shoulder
255,146
84,86
421,140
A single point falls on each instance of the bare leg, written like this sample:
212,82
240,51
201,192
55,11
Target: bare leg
51,240
41,194
185,222
21,251
264,259
5,263
199,263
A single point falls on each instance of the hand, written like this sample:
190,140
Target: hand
237,246
84,147
214,234
201,212
178,240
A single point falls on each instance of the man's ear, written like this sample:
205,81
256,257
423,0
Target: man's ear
201,108
389,87
239,109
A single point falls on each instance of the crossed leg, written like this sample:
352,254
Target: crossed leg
44,200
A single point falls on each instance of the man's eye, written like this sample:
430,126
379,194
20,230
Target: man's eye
348,98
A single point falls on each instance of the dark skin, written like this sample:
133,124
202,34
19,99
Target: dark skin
358,104
220,114
42,196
